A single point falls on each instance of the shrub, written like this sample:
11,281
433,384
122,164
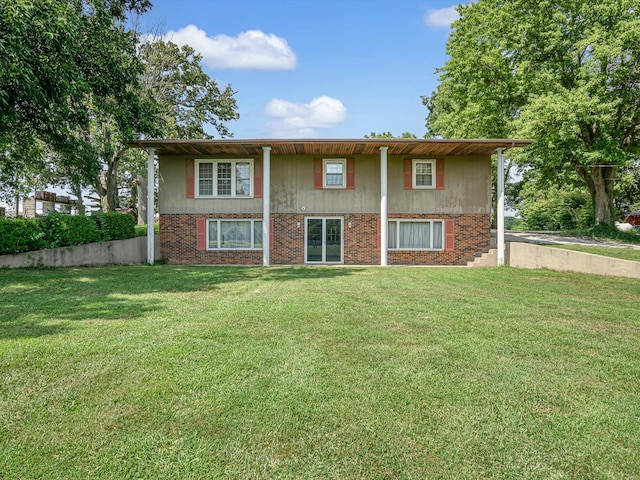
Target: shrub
19,235
114,225
54,230
81,229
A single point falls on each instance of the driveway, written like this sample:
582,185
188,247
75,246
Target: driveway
557,239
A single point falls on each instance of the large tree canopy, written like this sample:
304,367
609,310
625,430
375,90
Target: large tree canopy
565,73
62,64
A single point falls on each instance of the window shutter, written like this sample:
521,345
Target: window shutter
449,235
201,234
351,173
191,178
440,174
317,173
378,239
257,178
408,175
271,233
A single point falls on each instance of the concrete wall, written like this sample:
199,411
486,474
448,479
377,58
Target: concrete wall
131,251
528,255
467,189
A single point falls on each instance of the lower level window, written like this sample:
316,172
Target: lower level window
416,234
234,234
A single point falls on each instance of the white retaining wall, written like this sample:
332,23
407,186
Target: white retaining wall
528,255
131,251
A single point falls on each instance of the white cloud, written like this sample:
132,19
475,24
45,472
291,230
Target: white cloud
250,50
300,120
441,18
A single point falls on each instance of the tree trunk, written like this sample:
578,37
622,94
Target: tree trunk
141,186
602,194
108,182
77,191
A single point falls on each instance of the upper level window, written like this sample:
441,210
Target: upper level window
334,173
424,173
224,178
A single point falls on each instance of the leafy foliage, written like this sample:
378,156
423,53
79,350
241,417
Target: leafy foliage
564,73
114,225
19,235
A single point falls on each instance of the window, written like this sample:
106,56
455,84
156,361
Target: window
416,234
334,173
424,173
234,234
224,178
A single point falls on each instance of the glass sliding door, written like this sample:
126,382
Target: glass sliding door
323,240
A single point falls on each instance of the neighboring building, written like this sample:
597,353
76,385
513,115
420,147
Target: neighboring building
353,202
633,218
44,202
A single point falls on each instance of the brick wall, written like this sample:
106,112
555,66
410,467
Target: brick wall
178,242
361,241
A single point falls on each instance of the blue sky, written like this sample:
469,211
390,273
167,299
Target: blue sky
321,69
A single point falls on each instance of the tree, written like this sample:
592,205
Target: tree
189,104
564,73
63,63
406,135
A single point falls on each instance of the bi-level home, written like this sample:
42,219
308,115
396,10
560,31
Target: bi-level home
352,202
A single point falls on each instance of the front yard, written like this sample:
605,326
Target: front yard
188,373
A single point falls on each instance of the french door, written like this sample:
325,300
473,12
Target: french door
323,240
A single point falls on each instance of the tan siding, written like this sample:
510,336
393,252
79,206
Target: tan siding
173,188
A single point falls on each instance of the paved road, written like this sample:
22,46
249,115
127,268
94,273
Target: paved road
555,238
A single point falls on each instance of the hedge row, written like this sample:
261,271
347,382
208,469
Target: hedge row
19,235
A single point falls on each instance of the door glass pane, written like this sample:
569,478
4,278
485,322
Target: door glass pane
314,240
334,240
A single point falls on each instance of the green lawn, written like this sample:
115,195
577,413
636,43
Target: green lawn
195,373
615,252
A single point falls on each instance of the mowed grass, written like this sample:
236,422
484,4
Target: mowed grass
195,373
624,253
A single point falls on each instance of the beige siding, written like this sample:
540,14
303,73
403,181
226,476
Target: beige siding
292,188
173,198
467,189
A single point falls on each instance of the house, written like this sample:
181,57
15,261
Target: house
352,202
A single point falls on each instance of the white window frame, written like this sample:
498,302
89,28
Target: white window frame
398,221
416,161
325,162
215,163
218,230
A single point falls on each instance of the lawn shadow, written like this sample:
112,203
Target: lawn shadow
42,302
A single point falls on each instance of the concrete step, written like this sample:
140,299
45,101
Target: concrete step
487,259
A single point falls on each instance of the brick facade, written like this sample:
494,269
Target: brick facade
361,241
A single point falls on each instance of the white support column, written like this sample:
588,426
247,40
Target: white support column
384,224
151,175
266,202
500,207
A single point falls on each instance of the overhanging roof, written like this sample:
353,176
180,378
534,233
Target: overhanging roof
335,147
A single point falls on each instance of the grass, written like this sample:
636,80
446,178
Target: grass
615,252
185,372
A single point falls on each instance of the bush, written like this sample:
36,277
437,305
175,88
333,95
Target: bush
81,229
19,235
560,211
114,225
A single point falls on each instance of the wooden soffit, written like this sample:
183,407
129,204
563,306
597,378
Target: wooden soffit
329,147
